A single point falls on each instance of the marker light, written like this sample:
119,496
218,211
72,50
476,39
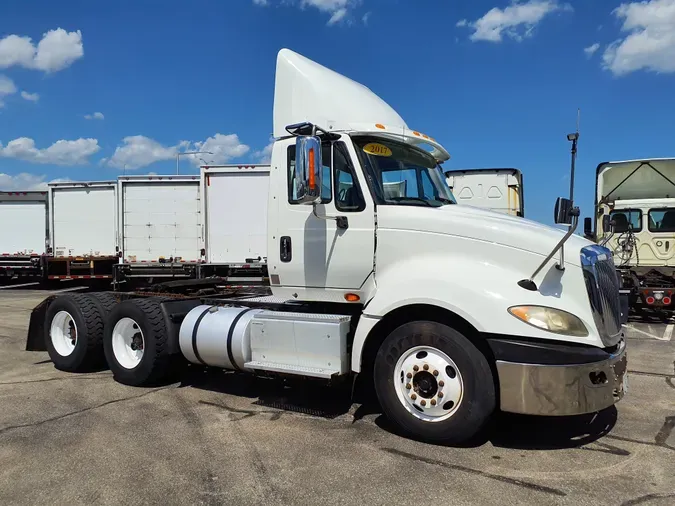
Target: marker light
312,175
550,319
380,126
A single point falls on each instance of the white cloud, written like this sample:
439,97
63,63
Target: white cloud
7,87
265,154
516,21
590,50
57,50
31,97
337,9
650,40
366,17
62,152
22,182
139,151
96,115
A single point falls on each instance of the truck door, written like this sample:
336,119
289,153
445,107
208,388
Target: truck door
312,251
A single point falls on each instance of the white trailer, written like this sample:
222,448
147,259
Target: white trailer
23,233
449,312
82,230
234,208
499,190
159,226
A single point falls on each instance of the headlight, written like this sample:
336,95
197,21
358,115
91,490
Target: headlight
548,318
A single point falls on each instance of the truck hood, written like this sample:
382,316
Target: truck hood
482,225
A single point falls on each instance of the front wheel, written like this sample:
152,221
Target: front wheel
433,383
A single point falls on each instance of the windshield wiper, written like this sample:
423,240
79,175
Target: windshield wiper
413,199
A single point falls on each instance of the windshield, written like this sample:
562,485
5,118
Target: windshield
400,174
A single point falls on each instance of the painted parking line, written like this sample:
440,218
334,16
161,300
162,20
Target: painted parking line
667,334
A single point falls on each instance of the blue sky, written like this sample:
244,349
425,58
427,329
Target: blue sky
88,87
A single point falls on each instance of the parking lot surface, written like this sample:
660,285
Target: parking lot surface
221,438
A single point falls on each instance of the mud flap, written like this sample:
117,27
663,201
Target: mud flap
624,299
36,328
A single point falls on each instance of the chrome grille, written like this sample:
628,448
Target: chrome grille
602,285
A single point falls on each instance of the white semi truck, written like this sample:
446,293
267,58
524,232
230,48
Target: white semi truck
635,201
452,312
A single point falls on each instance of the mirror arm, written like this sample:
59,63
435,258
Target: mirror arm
341,221
529,283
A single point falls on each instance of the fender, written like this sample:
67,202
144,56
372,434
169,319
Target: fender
477,290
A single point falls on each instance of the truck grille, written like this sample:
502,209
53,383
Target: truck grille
602,285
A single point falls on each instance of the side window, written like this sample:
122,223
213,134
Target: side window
348,196
326,190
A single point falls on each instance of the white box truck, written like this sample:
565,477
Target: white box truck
498,190
23,233
234,210
450,312
82,230
159,227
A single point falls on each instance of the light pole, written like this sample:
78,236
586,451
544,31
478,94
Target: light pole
178,155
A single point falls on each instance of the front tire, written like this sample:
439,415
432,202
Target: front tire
135,342
433,383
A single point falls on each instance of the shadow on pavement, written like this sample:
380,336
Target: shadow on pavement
315,399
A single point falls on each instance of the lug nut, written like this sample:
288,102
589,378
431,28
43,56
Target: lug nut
423,402
413,397
440,395
409,375
408,386
433,402
441,383
435,373
415,368
426,367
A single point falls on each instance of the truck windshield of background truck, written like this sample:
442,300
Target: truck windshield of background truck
662,220
400,174
625,219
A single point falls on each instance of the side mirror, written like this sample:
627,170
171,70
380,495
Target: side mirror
606,223
308,169
588,227
562,213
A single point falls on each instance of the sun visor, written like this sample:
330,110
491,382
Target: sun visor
305,91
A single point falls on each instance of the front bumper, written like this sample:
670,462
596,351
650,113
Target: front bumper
589,382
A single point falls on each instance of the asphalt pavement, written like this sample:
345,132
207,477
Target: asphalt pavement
221,438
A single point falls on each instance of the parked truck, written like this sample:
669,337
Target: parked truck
82,228
635,219
23,234
451,312
499,190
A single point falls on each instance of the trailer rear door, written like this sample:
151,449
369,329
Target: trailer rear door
83,219
235,200
23,223
161,218
499,190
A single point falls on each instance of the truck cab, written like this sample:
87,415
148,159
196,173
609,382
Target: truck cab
450,312
637,199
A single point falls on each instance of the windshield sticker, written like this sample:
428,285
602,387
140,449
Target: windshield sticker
377,149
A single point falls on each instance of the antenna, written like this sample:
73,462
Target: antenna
573,138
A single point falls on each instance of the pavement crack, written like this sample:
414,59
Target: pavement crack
665,431
3,430
646,498
65,378
469,470
637,441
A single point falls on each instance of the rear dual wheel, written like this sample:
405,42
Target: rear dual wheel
433,383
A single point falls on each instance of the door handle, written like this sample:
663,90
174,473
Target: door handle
286,252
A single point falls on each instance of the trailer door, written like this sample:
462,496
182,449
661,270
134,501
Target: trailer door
23,227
